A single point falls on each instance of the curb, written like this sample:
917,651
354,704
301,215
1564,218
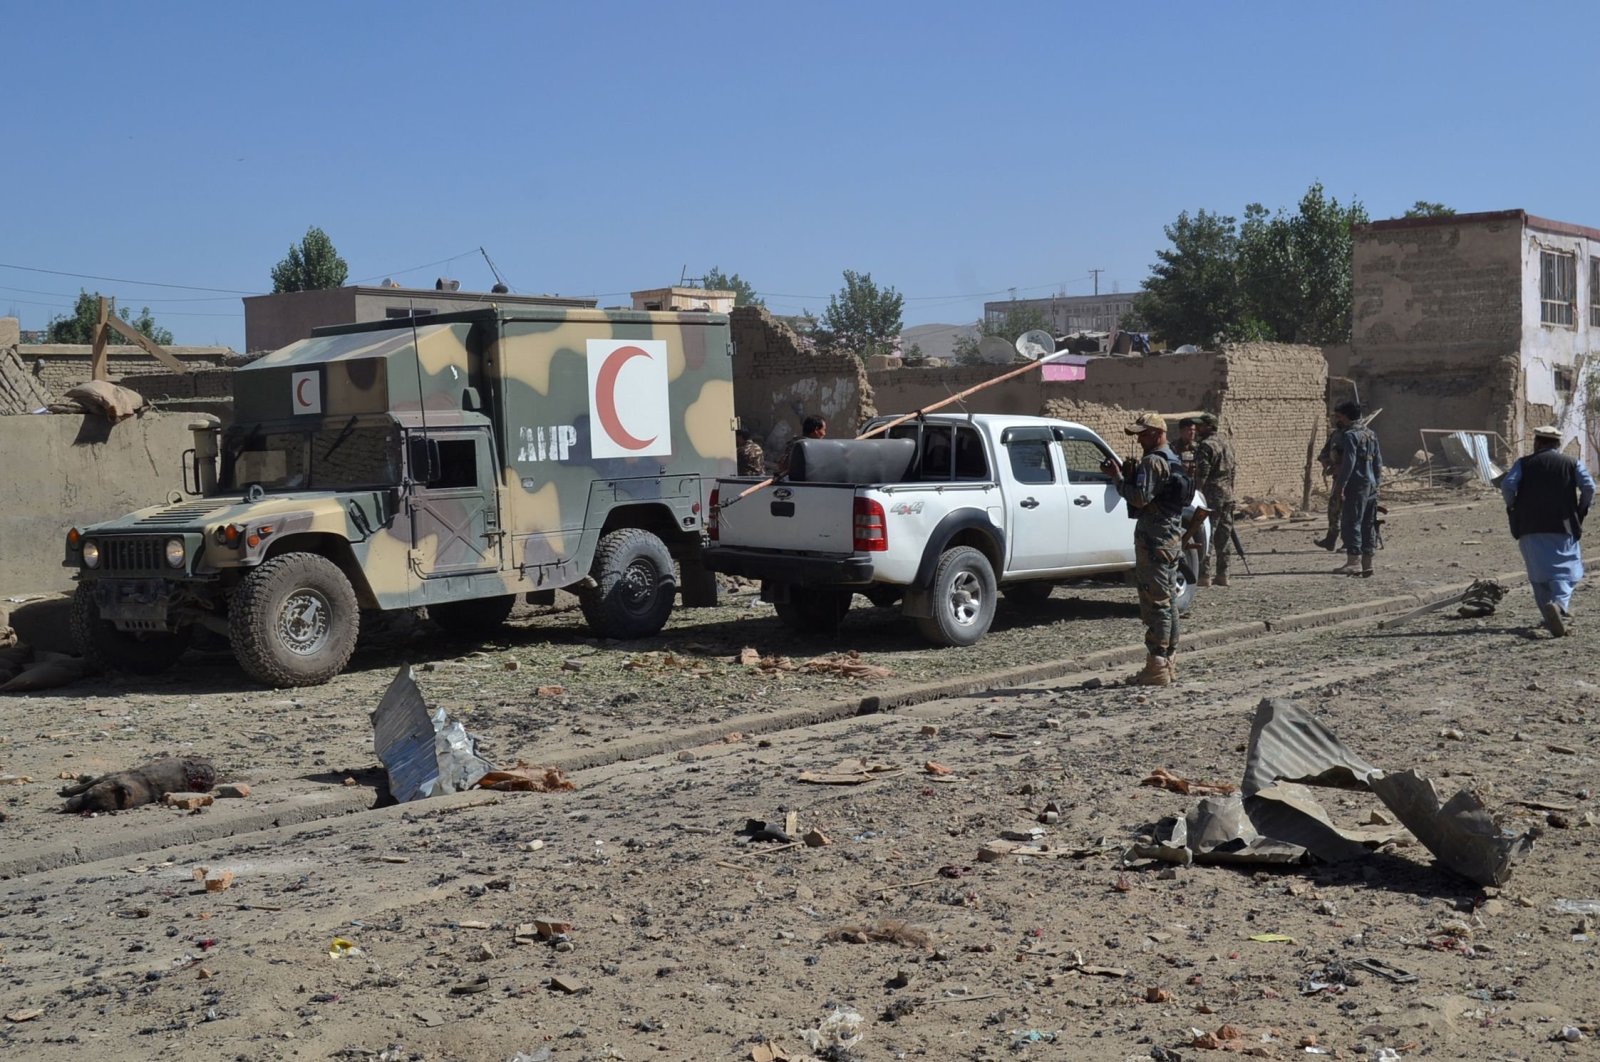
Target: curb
1086,666
350,801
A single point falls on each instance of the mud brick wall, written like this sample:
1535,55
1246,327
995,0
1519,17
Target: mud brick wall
60,366
778,382
1273,407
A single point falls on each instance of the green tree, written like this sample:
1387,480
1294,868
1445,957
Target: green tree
1193,294
80,325
313,265
1294,270
744,292
1015,319
862,315
1424,209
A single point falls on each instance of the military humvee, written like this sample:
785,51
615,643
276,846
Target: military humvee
453,461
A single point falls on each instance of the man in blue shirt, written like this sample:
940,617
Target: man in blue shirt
1357,480
1547,498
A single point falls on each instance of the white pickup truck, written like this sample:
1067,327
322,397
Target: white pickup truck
940,513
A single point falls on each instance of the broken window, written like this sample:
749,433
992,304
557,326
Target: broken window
1564,381
1558,287
1594,292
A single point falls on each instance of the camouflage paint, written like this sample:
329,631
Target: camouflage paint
542,499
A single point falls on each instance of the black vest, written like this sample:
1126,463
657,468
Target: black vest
1547,497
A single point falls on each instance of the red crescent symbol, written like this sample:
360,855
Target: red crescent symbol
300,392
605,397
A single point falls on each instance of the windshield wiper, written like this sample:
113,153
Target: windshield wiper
349,429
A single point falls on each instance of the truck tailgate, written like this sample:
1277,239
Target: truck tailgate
813,517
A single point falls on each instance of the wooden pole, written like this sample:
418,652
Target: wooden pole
97,358
974,389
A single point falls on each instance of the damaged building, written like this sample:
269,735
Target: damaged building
1476,322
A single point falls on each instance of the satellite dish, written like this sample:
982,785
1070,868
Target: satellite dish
1036,344
994,350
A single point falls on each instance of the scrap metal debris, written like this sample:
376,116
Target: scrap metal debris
144,784
425,755
1276,819
1482,596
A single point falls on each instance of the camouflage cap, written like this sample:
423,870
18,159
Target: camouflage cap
1209,420
1147,422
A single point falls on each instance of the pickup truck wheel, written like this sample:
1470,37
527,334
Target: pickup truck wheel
810,610
294,621
963,597
634,585
1184,584
107,649
471,619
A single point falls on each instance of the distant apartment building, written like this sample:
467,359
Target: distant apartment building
685,298
1486,322
1070,313
273,321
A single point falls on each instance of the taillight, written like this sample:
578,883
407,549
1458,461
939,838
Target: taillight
712,523
871,533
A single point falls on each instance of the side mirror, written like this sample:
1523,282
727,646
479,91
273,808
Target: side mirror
422,455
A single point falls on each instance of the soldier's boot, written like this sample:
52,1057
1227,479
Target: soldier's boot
1204,580
1157,672
1366,566
1222,571
1172,665
1327,543
1351,566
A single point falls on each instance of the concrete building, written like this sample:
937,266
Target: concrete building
1480,322
681,298
273,321
1069,313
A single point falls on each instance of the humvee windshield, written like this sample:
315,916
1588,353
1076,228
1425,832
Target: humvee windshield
348,457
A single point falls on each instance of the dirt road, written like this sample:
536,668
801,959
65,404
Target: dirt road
687,942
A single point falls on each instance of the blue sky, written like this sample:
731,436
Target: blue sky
953,151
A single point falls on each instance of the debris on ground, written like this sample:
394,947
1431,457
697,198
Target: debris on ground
525,778
1481,598
23,670
1162,778
889,931
1276,820
425,755
145,784
839,1031
850,772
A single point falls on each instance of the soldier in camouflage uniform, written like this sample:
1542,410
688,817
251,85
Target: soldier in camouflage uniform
752,458
1156,490
1214,467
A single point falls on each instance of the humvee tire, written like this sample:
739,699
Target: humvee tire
963,594
473,618
814,610
634,585
108,649
294,621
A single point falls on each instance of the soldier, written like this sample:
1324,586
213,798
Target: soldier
1156,488
1330,456
752,458
1188,428
1214,466
1360,473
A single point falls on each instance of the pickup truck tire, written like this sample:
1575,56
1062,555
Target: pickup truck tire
107,649
633,587
813,610
1184,584
963,596
294,621
470,619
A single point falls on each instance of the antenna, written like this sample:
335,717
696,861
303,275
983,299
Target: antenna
686,281
500,284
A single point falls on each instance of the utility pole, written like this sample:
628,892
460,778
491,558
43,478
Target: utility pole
1097,273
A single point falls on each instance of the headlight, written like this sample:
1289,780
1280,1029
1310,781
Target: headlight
91,554
174,552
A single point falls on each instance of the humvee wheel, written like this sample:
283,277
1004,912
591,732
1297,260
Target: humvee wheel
108,649
634,585
294,621
469,619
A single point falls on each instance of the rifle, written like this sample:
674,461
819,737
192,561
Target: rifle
1238,548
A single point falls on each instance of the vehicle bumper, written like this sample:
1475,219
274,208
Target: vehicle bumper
798,568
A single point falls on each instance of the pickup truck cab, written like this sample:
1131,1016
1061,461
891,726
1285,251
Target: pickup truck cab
941,514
